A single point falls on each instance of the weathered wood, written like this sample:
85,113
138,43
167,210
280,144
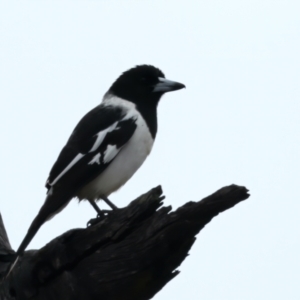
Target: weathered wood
5,248
129,255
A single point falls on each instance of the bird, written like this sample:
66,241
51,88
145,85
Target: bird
107,146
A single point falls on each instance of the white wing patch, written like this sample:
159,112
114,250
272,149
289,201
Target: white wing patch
69,166
96,159
111,150
101,135
110,153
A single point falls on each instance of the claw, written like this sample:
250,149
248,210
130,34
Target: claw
100,216
93,221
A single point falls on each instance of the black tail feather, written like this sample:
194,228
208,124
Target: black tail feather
33,229
54,203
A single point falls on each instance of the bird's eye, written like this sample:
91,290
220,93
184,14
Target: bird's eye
143,79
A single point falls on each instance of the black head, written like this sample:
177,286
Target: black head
144,85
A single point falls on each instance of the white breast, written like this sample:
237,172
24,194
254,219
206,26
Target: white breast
126,163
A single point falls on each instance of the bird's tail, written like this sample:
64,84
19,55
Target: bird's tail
54,203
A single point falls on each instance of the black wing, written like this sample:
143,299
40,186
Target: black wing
94,143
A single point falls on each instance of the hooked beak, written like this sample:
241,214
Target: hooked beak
165,85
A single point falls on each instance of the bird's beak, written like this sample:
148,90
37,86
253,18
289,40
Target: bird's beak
165,85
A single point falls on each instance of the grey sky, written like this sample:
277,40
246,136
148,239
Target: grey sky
237,122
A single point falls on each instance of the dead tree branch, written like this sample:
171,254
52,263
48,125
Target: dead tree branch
129,255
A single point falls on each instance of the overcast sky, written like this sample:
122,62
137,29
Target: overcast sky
237,122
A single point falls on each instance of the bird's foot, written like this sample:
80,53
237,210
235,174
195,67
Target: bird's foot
100,217
93,221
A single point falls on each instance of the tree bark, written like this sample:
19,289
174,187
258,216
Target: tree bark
129,255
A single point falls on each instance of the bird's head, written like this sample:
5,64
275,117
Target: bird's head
143,84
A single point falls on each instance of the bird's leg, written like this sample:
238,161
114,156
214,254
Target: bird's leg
109,203
97,209
101,213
